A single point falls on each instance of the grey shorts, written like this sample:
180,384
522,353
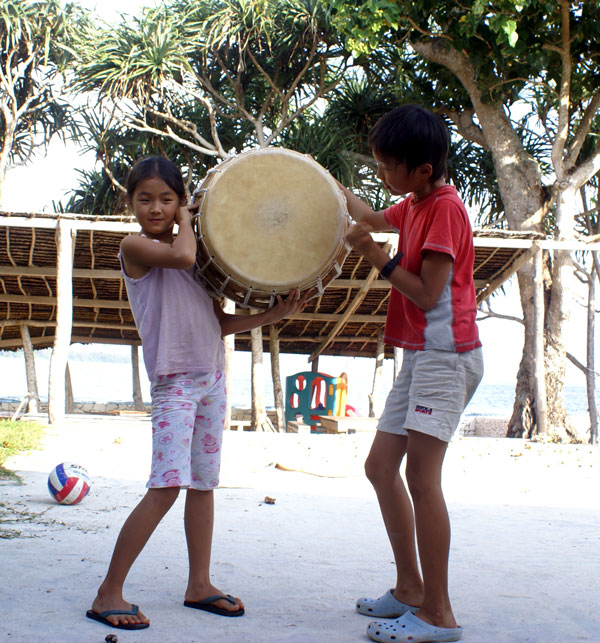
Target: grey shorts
431,392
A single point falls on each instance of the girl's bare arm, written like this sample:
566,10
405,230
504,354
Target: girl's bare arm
231,324
141,253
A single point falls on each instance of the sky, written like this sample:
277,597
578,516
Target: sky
53,173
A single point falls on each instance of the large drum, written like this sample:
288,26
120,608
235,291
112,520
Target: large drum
269,221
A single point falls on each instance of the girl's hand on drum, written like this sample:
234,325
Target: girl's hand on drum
185,212
359,237
293,303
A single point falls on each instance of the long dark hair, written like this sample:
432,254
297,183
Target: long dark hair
156,167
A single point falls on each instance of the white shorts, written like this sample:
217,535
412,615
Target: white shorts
431,392
188,413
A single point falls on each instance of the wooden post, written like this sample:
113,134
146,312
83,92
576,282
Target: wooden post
69,398
315,365
276,375
260,421
65,242
32,389
377,373
138,402
229,340
397,361
539,370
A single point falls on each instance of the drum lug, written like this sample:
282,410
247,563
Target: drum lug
247,298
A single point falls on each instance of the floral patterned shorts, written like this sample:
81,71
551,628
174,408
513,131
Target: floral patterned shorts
188,413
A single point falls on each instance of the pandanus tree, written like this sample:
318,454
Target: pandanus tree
208,78
35,38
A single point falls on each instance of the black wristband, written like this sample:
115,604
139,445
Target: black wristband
386,271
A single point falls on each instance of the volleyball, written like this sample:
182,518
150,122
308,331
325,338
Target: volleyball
68,483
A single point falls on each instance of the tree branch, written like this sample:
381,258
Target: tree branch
583,130
465,125
579,365
562,131
488,313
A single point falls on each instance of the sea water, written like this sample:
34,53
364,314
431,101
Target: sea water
103,374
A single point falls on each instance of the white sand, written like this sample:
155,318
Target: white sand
525,558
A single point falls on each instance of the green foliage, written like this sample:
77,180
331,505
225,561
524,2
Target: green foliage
514,47
510,42
35,47
197,81
17,437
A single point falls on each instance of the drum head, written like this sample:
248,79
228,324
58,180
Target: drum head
273,219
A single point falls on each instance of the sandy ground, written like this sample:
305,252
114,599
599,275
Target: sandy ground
525,558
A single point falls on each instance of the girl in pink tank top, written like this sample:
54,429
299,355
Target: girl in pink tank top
181,329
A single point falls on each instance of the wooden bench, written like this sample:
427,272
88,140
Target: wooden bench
343,424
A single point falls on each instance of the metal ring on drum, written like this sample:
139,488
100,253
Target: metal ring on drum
269,221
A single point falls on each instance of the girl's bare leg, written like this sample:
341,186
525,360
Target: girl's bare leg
199,520
383,470
423,474
134,535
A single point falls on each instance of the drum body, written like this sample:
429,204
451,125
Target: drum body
269,221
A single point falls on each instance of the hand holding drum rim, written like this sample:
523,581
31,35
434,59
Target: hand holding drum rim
269,221
186,212
359,237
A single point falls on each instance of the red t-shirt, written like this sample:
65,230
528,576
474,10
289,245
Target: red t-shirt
439,223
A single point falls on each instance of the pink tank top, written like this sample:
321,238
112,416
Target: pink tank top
176,321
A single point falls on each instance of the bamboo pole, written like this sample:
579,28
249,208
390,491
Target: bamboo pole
32,389
64,320
376,373
260,420
229,341
138,402
69,398
397,361
276,375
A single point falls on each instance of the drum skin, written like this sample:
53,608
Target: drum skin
269,221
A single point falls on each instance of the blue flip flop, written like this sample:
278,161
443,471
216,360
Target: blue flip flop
206,604
386,606
101,618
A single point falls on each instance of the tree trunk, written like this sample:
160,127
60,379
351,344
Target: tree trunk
260,421
32,389
229,341
138,402
523,422
538,342
377,373
557,316
590,373
276,374
64,321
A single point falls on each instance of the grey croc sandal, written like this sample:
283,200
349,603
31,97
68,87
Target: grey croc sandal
386,606
411,629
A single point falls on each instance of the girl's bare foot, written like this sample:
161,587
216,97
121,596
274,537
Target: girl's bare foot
107,602
197,597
